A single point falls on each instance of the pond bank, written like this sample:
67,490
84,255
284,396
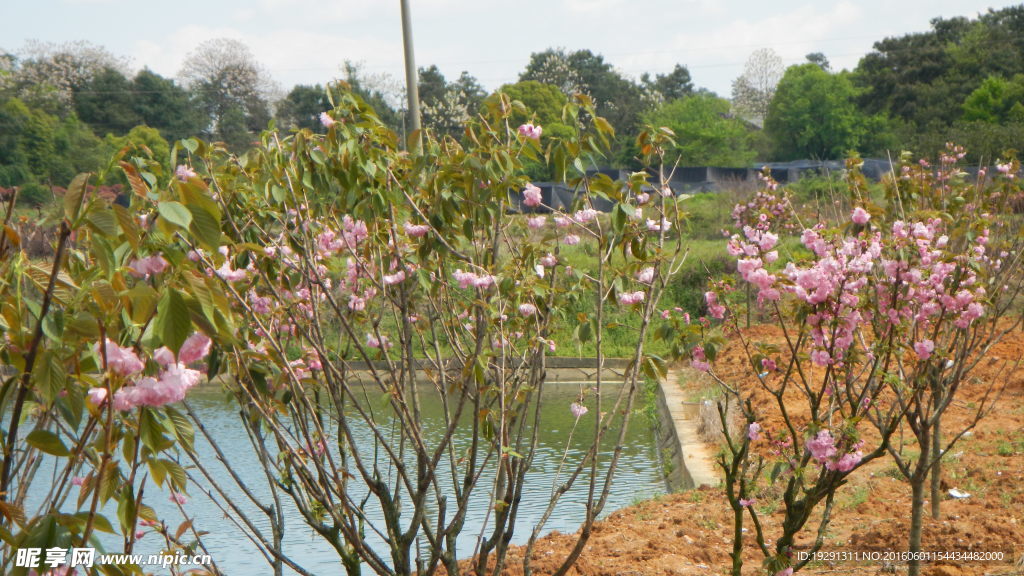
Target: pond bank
688,462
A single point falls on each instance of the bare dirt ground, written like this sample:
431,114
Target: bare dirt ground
690,533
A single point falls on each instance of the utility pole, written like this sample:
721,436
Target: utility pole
411,84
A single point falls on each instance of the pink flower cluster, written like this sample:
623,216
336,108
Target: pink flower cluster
471,279
530,131
630,298
145,267
823,449
715,310
122,361
699,361
174,381
416,230
762,207
184,173
531,195
932,284
756,249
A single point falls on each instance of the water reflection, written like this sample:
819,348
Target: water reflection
637,478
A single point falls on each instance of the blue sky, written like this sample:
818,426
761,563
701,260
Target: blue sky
305,41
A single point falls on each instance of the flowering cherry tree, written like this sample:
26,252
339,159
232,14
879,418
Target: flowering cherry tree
882,316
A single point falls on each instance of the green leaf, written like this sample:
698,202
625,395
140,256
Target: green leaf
128,224
49,376
175,213
152,433
143,302
181,427
126,509
173,322
48,442
73,197
178,477
85,325
158,470
205,227
102,220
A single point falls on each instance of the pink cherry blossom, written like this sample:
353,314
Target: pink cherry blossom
531,195
195,348
585,215
630,298
470,279
184,173
392,279
822,447
145,267
374,342
924,349
699,360
578,410
122,361
178,498
549,261
571,240
536,222
98,396
416,230
174,382
530,131
527,309
753,431
747,502
78,481
645,276
846,462
227,274
326,120
656,226
860,216
715,309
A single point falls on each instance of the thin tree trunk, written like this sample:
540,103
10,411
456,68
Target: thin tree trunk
936,471
916,521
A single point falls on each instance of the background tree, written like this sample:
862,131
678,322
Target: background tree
752,92
996,101
554,67
922,80
446,107
617,98
383,92
231,87
106,102
814,115
820,60
48,74
706,133
301,108
166,106
672,86
542,104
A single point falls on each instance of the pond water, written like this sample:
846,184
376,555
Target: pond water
638,477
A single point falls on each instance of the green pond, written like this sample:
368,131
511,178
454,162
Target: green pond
638,477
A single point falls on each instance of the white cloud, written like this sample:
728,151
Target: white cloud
716,54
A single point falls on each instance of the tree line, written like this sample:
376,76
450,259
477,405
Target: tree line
65,108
